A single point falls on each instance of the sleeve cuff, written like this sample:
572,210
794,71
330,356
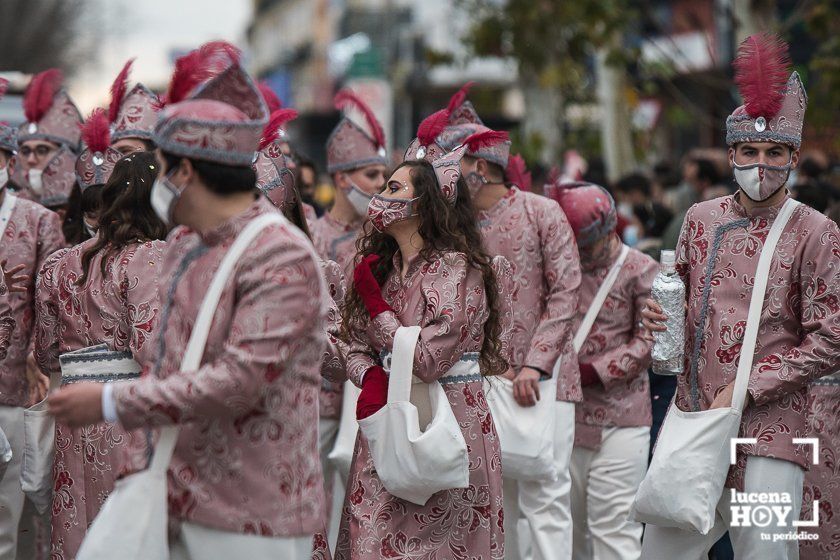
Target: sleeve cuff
544,376
109,404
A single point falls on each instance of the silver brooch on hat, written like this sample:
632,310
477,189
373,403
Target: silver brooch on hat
760,124
381,151
33,128
421,152
98,159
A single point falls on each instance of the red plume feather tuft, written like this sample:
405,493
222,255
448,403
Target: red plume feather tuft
487,138
118,89
432,126
39,95
271,100
198,66
460,96
272,130
346,97
96,131
761,72
517,173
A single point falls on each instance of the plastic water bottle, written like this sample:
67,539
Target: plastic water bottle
669,292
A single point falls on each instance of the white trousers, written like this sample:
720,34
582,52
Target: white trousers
17,531
604,483
333,483
204,543
749,543
545,505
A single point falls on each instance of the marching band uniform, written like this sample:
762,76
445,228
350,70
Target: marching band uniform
530,232
121,308
612,428
246,460
443,295
799,328
132,113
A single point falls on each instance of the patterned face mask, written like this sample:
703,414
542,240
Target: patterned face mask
760,181
385,212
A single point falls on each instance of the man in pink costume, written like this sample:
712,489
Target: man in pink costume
246,461
534,235
800,321
612,429
48,143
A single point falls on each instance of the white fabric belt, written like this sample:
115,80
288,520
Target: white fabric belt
99,364
465,370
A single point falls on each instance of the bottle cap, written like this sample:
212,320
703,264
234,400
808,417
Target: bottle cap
668,258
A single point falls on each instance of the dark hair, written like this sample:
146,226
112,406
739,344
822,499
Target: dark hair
127,215
443,227
810,167
706,171
633,182
294,213
654,217
219,178
665,175
73,226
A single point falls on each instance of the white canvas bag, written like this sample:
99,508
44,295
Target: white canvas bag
526,434
132,524
412,463
691,459
94,363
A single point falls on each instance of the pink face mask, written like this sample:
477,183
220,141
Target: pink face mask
385,212
760,181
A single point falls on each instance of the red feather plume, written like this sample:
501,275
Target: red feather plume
460,96
432,126
517,172
118,89
480,140
761,72
198,66
96,131
39,95
272,130
271,100
346,97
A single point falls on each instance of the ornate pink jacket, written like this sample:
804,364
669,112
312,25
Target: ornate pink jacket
7,320
799,332
30,236
616,348
247,456
120,308
533,234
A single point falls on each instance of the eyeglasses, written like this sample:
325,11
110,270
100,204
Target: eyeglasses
40,151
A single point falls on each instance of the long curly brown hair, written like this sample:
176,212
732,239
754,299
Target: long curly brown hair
443,227
127,215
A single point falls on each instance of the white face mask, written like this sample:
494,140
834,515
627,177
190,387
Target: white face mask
358,198
760,181
35,180
4,177
165,195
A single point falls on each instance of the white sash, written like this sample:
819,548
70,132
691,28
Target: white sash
9,202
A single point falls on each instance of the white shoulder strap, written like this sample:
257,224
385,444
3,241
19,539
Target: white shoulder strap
6,210
402,363
762,272
600,298
195,348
